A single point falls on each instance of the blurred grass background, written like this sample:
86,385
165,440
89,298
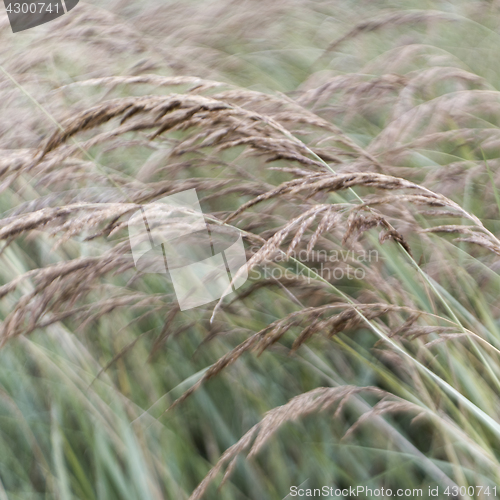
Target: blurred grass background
83,399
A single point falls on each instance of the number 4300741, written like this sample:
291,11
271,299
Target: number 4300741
32,8
471,491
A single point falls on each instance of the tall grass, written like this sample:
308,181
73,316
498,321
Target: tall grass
355,147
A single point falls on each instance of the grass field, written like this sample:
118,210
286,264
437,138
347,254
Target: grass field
355,146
